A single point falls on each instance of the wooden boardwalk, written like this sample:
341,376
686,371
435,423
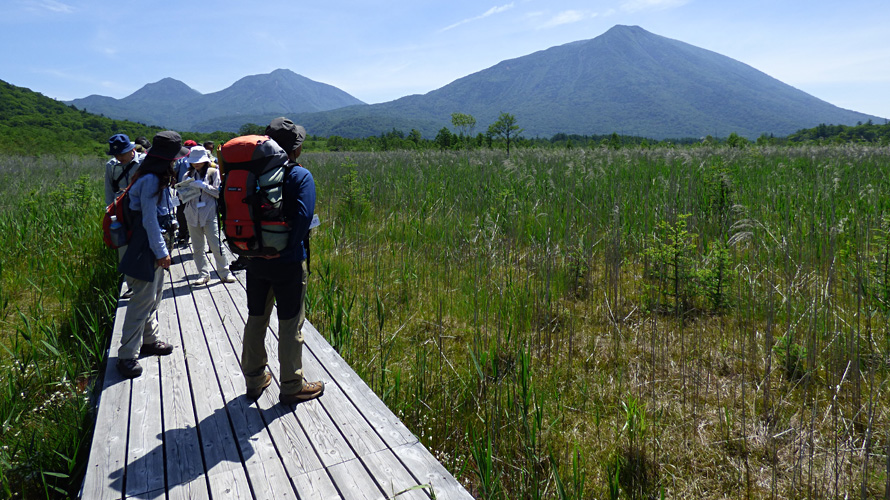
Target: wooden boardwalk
185,430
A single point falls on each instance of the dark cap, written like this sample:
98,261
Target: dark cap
167,145
119,144
286,134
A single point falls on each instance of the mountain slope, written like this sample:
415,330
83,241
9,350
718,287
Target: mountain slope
173,104
628,81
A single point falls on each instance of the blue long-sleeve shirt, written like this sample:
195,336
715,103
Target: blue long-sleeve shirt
145,198
299,207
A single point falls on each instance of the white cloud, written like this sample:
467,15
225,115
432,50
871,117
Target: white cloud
490,12
50,5
641,5
568,17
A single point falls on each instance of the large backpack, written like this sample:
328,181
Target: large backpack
117,222
251,206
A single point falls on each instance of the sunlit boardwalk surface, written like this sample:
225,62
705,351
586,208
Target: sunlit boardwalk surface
185,430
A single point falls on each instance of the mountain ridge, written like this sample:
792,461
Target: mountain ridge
626,80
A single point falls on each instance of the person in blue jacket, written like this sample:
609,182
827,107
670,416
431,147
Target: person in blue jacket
282,278
148,253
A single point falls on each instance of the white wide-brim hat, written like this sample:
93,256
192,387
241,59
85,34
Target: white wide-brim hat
198,155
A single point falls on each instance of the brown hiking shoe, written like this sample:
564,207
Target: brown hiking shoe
254,393
311,390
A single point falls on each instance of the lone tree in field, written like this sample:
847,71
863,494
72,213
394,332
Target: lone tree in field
505,127
464,125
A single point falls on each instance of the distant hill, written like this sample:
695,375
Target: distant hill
33,124
172,104
626,80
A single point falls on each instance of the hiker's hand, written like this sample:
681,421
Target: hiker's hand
198,184
165,262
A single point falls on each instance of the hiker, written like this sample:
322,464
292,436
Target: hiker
181,167
142,144
208,145
118,173
283,278
148,253
201,215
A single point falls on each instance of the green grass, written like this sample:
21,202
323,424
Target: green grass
53,330
518,313
609,323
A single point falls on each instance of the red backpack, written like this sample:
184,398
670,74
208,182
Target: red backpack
251,205
117,223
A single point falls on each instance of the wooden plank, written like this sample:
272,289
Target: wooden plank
264,468
427,470
297,450
229,484
354,482
218,444
348,419
378,415
195,490
316,484
108,451
185,464
393,478
145,449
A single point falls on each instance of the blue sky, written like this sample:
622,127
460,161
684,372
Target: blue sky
380,51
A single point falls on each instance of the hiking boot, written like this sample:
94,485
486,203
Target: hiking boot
129,368
311,390
228,279
203,280
160,348
254,393
127,294
239,264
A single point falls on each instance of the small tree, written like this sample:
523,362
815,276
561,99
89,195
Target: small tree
505,127
444,138
465,125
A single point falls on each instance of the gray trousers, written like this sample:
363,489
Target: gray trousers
120,255
141,323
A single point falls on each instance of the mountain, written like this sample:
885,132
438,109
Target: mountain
627,80
173,104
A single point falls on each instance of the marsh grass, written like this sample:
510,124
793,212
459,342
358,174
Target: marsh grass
56,301
524,315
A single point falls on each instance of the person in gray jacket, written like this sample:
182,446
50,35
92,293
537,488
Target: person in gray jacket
119,170
148,253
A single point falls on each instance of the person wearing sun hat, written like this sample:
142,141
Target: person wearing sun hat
148,253
201,215
118,172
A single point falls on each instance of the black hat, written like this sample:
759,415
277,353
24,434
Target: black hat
286,134
167,145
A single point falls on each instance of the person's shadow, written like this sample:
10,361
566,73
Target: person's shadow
190,454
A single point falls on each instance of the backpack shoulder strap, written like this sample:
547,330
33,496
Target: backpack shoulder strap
124,173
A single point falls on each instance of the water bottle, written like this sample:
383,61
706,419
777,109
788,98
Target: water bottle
118,233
